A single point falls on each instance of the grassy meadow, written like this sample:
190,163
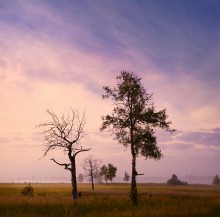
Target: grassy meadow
155,200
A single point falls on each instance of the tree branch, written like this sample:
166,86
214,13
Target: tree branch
81,150
60,164
138,174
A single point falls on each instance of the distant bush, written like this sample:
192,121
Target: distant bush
28,190
175,181
216,180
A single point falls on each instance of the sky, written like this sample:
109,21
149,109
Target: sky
58,54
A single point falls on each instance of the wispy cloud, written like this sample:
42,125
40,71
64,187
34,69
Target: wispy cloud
211,138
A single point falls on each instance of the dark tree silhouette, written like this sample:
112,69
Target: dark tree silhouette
108,172
126,177
65,133
133,119
175,181
92,167
216,180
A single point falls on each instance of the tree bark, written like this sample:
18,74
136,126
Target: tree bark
73,179
133,181
92,175
92,183
133,153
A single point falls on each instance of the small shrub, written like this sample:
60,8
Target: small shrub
28,190
175,181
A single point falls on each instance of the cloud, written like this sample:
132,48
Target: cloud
189,144
204,138
182,146
58,54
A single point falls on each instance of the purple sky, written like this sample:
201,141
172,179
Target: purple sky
57,54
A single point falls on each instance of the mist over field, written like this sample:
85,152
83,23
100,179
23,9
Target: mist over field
143,179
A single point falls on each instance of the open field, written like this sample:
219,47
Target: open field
54,200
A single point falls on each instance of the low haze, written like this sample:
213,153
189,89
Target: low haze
58,54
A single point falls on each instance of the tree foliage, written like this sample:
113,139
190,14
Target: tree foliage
133,120
65,133
108,172
134,113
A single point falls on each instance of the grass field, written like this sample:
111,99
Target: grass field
54,200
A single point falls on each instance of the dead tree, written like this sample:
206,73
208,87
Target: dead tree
92,167
65,133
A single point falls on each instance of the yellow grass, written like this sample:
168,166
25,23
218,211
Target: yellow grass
110,200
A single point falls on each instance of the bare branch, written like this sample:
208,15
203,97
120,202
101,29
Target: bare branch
64,132
82,151
62,164
80,123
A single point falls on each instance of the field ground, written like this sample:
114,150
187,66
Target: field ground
155,200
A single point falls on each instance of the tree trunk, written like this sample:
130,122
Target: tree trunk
92,183
91,174
133,181
134,172
73,179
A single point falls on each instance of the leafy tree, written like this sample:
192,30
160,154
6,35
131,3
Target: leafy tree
92,167
126,177
133,120
216,180
175,181
65,133
104,172
109,172
80,178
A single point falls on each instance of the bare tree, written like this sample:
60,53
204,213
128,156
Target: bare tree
92,167
65,133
